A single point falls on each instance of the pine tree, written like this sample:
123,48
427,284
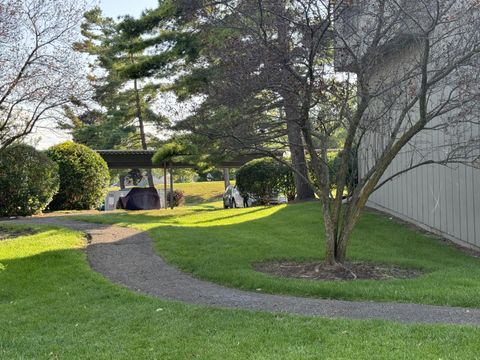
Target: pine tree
123,104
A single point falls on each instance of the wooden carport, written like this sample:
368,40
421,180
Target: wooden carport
142,159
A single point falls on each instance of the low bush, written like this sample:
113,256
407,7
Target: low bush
286,181
84,177
265,179
178,198
334,162
28,181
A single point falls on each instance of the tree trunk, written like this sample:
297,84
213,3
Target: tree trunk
165,191
291,105
172,205
297,150
151,183
304,190
122,182
142,130
226,177
330,244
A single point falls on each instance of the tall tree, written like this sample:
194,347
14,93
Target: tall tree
123,103
256,52
405,69
414,63
39,71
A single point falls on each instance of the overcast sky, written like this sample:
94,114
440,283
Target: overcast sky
46,136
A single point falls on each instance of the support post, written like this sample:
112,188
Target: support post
171,187
165,205
226,177
122,182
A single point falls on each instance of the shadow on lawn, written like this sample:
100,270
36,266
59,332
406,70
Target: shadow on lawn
377,238
120,217
298,229
198,200
235,215
224,253
178,217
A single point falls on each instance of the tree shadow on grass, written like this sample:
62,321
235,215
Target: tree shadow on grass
224,253
234,215
9,233
198,200
151,219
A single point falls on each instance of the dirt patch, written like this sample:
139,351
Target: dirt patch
6,234
349,271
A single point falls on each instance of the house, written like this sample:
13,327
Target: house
437,186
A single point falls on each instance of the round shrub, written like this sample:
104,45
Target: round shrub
334,163
84,177
264,179
178,198
28,181
286,181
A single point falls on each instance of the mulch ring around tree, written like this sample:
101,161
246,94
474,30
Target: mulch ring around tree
7,234
348,271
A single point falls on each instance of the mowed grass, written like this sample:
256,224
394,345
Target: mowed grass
53,306
222,245
201,192
198,192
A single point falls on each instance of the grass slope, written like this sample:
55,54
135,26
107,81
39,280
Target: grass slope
201,192
197,192
221,246
52,306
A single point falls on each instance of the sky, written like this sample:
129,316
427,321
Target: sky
114,8
46,136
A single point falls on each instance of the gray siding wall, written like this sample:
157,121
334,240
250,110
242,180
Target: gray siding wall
441,199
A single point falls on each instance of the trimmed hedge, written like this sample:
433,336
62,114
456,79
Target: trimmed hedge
334,162
84,177
28,181
264,179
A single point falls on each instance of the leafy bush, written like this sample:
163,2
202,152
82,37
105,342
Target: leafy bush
178,198
264,179
334,159
286,181
84,177
334,163
28,181
211,175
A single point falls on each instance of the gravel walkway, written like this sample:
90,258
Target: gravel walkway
126,257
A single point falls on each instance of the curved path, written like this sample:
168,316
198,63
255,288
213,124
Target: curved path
126,256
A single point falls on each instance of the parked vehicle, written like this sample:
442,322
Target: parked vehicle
280,199
233,199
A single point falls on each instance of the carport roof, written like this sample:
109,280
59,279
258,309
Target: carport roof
130,159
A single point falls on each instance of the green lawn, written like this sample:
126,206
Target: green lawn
201,192
198,192
52,306
221,245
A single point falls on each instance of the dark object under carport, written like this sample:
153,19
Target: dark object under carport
140,199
